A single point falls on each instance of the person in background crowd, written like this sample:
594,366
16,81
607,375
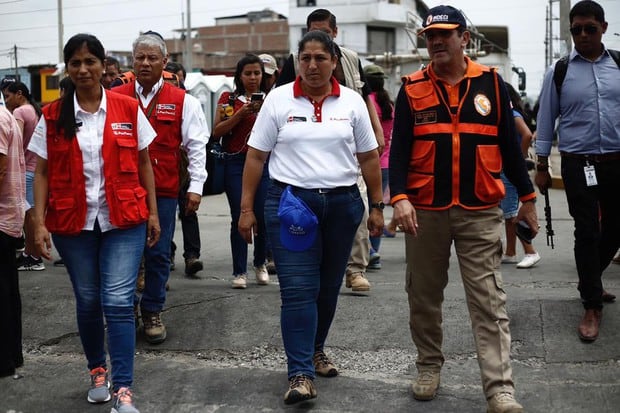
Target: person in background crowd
314,208
13,206
94,191
178,119
271,71
589,142
270,78
189,222
26,112
349,73
453,133
177,69
233,123
375,77
510,203
112,71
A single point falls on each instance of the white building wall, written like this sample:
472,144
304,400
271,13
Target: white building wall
353,17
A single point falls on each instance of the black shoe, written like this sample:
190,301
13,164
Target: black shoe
192,266
59,263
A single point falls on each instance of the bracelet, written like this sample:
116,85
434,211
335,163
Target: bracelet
246,211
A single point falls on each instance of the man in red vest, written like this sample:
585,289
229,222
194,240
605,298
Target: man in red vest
179,121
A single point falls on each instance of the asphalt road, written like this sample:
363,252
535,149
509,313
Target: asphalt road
224,350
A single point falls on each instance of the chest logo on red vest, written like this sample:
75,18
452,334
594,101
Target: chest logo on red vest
422,118
166,109
122,128
482,104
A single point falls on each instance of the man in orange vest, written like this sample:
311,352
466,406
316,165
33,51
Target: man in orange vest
178,119
453,133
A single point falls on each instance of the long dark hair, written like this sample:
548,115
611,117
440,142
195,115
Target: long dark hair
384,101
248,59
66,118
15,87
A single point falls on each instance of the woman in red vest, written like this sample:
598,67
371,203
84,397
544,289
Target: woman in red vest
95,192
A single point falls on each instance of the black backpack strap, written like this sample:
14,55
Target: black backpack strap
615,54
559,73
561,66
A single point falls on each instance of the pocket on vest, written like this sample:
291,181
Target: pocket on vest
128,154
61,214
488,185
165,170
130,208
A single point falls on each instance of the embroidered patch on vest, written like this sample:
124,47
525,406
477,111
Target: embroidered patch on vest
166,108
422,118
482,104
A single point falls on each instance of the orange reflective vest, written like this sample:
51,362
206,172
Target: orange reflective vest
165,113
455,156
126,198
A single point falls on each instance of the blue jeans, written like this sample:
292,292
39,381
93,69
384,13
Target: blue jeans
375,242
239,248
30,188
103,267
310,280
157,259
510,203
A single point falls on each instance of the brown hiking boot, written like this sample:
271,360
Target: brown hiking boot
323,366
300,388
357,282
154,329
425,385
503,403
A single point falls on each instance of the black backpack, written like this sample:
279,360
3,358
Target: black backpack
561,66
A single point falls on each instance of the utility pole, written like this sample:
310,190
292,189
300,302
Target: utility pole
60,32
189,64
565,35
16,65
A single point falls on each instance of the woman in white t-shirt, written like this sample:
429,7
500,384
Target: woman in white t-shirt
317,132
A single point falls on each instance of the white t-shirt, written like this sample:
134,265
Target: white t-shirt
90,140
313,145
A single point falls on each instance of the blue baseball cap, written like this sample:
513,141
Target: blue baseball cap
443,18
298,224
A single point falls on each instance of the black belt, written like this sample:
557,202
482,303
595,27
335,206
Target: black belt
595,157
338,189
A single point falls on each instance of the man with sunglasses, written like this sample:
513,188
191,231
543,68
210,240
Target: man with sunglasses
587,104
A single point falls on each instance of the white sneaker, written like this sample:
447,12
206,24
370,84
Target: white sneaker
529,260
240,281
262,275
509,259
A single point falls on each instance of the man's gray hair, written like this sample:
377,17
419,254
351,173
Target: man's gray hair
150,40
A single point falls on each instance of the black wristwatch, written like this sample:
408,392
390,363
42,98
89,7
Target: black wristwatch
378,205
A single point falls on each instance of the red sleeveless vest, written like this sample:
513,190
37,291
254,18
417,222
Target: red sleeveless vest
166,118
126,198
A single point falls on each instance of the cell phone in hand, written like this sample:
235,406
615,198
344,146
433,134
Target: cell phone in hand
524,232
257,97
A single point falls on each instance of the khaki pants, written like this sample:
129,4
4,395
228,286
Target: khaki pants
360,252
476,237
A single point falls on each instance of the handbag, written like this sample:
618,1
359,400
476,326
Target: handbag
214,185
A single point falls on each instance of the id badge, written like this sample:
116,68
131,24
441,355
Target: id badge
590,175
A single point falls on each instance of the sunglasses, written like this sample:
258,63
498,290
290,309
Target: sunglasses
589,29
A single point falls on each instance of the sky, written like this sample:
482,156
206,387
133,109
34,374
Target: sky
31,25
